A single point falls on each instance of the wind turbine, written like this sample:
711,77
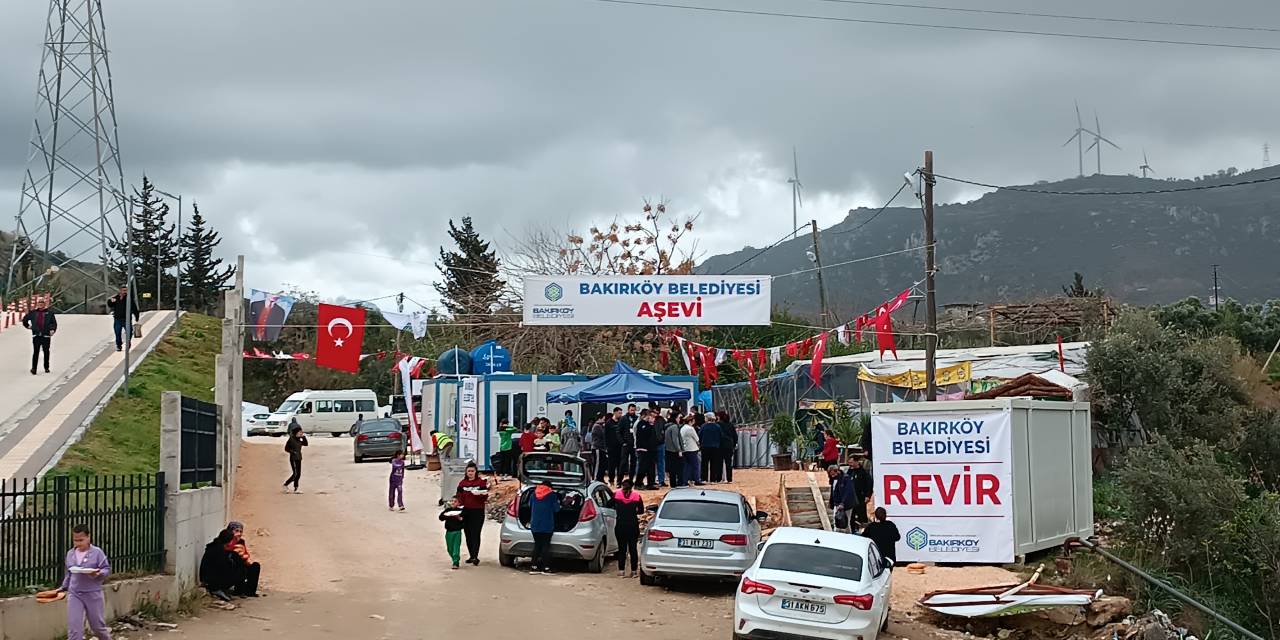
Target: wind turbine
1146,166
797,200
1079,138
1097,139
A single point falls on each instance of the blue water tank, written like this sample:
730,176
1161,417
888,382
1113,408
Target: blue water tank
454,362
490,357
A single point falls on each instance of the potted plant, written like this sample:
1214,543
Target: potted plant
847,427
783,434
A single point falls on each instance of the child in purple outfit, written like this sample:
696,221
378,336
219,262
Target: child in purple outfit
395,493
86,569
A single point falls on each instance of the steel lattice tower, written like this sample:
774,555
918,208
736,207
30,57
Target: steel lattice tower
73,195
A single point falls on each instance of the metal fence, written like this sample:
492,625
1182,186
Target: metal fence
124,513
199,463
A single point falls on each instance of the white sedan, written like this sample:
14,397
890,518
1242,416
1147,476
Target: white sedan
814,584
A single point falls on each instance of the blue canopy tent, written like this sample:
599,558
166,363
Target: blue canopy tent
624,384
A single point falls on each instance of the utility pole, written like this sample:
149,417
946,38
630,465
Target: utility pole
129,297
1215,287
931,339
822,289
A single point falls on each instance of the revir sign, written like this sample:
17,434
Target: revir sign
946,480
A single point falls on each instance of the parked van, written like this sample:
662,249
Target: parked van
331,412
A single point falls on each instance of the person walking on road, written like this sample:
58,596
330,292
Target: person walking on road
884,534
542,524
452,518
629,505
293,446
710,435
86,568
395,491
689,447
43,324
121,306
473,492
671,440
844,499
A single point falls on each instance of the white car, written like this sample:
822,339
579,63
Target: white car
256,424
814,584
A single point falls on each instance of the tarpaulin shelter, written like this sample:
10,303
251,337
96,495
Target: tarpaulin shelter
623,384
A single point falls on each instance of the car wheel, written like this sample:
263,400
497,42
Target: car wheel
337,434
885,627
647,580
357,459
596,564
506,559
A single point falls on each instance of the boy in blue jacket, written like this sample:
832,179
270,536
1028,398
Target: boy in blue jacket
542,524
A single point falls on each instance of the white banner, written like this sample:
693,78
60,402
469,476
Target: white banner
406,366
946,479
647,300
468,433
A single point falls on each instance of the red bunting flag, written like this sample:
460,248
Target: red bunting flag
793,349
760,356
884,335
339,338
815,365
751,376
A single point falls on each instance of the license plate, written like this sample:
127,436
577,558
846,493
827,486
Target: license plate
695,543
815,608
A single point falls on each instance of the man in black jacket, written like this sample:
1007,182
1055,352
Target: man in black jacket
613,446
863,486
119,305
43,324
627,431
647,450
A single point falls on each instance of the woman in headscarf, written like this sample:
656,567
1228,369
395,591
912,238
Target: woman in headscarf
473,493
217,570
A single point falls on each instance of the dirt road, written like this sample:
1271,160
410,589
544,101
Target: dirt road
338,564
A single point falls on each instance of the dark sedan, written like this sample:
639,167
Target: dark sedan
380,438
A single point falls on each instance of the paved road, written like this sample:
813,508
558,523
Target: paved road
339,565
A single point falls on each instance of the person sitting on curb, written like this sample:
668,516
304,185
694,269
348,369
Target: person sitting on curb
249,571
217,570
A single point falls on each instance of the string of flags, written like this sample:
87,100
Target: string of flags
704,360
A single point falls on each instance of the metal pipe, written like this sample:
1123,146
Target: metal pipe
1165,586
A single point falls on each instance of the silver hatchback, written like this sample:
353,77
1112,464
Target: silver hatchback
700,533
584,524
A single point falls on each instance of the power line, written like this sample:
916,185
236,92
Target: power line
1056,16
873,216
761,252
923,25
1203,187
855,261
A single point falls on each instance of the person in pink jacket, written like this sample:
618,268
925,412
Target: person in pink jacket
86,569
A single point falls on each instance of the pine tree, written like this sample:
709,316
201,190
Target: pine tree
471,286
203,275
154,249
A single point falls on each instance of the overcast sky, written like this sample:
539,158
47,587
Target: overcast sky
318,135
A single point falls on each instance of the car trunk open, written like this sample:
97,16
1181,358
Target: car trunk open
571,501
560,470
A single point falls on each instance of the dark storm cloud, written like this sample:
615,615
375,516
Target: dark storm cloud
327,127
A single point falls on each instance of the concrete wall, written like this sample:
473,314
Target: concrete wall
193,517
25,619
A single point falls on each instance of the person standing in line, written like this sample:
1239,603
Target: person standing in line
613,445
629,505
473,493
121,308
844,499
85,569
43,324
293,446
710,435
627,431
570,438
728,444
863,486
689,447
671,443
646,448
395,487
660,455
453,524
600,450
542,524
568,421
506,448
884,534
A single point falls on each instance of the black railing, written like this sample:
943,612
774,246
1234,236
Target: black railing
199,443
124,513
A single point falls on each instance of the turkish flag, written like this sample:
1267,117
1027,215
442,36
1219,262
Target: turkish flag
340,337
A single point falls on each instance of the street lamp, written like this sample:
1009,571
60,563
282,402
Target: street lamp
177,268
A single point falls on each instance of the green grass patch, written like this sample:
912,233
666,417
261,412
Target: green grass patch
125,437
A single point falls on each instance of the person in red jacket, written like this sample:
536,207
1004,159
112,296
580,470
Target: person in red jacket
473,493
830,451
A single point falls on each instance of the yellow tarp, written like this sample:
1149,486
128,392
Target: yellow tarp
916,379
